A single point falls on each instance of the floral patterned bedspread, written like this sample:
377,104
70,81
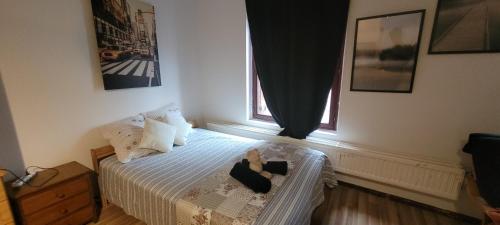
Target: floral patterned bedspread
191,184
221,199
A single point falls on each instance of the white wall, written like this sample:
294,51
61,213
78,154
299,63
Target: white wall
453,94
50,69
222,52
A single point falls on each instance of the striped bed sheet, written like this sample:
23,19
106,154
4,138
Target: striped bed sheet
148,188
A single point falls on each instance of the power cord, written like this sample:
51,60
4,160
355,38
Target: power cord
37,167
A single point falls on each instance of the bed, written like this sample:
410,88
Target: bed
191,184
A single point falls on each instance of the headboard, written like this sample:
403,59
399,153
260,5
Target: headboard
99,154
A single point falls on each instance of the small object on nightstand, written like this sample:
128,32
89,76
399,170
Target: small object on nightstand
5,212
67,198
25,179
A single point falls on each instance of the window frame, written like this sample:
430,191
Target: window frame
334,98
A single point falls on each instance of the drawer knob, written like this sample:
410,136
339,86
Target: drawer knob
64,211
61,195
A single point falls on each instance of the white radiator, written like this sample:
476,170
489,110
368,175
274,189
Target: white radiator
438,180
424,176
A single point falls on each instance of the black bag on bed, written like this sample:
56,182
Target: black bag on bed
485,150
250,178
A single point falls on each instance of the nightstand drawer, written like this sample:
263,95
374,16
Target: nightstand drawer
55,194
59,210
5,214
78,218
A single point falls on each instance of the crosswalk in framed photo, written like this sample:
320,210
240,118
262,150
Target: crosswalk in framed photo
127,43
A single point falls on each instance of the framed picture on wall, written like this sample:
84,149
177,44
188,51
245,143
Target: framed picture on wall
466,26
386,51
127,43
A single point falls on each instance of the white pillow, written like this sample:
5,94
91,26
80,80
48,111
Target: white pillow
161,113
158,136
125,136
111,129
183,127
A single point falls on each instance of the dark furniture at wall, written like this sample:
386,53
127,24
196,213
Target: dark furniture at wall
485,151
484,186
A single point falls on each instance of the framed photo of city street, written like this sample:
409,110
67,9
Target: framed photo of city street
466,26
127,43
386,51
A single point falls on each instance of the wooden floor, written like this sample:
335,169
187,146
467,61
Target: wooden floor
346,205
115,216
355,206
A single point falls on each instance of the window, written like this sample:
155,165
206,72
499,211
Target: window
261,112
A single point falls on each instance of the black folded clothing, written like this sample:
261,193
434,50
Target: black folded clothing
277,167
245,163
250,178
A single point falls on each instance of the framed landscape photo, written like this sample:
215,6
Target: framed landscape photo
466,26
386,51
127,43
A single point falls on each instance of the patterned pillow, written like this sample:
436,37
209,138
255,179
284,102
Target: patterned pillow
161,113
125,136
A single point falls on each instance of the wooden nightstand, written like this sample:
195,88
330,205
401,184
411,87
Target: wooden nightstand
5,212
67,199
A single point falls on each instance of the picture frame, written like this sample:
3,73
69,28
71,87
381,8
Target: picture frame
127,43
465,27
385,54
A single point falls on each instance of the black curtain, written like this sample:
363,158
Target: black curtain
297,46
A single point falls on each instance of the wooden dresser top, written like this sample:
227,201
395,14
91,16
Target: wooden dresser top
66,172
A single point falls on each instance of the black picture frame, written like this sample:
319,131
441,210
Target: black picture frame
127,43
414,55
438,23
